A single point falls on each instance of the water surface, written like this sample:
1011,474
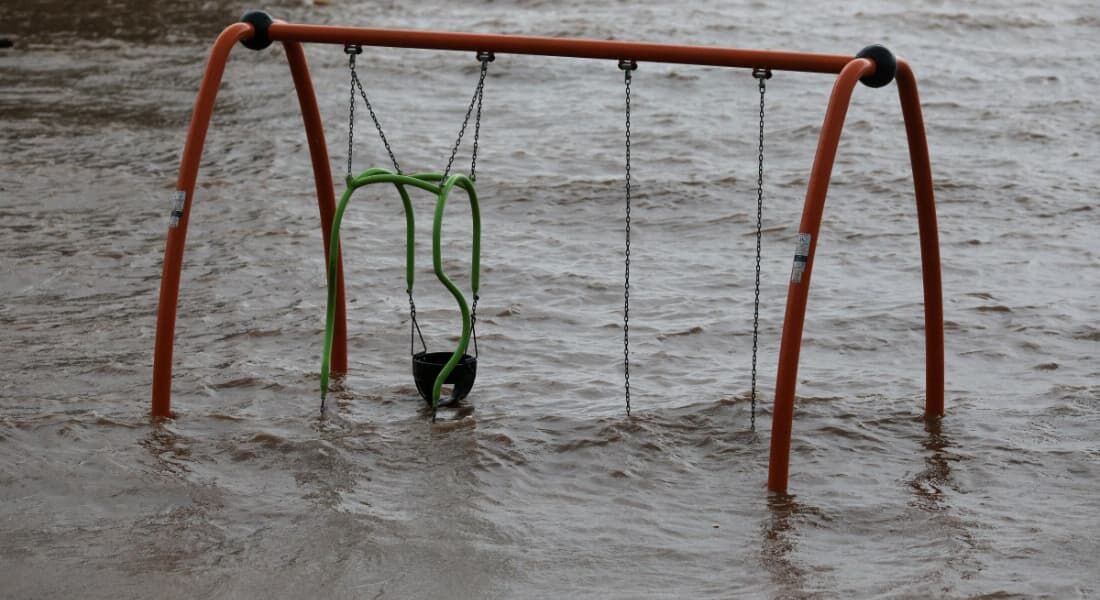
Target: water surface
540,485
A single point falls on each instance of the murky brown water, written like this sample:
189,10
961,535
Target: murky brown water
543,487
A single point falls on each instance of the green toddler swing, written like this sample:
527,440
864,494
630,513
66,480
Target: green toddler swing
431,370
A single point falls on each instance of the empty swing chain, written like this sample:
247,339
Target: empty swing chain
762,75
353,50
628,66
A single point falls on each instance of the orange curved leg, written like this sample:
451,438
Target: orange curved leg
929,239
177,231
185,184
326,201
799,290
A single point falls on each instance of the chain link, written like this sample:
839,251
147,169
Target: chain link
628,66
485,58
414,326
353,50
473,323
761,75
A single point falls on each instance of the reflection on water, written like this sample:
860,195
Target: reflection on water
928,485
169,453
779,541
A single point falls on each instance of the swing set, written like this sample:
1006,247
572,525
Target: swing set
875,66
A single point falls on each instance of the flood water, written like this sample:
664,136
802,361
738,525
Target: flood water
539,485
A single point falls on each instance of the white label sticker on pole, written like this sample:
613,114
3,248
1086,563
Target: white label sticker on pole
178,202
801,256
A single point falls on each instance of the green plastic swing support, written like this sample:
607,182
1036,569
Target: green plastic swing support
429,182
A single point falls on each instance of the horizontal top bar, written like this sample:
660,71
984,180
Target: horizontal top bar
551,46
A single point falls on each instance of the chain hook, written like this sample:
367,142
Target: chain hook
627,66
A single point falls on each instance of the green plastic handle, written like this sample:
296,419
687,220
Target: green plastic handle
430,183
353,183
475,271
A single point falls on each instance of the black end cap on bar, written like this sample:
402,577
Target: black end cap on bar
260,21
886,65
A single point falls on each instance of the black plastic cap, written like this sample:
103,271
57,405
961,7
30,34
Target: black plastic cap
260,21
886,66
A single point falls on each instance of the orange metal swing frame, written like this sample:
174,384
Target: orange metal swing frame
257,33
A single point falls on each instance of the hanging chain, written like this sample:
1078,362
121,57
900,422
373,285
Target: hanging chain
628,66
485,58
761,75
353,50
473,323
414,326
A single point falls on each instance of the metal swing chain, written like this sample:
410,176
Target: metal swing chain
485,58
414,326
473,324
761,75
627,66
353,50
